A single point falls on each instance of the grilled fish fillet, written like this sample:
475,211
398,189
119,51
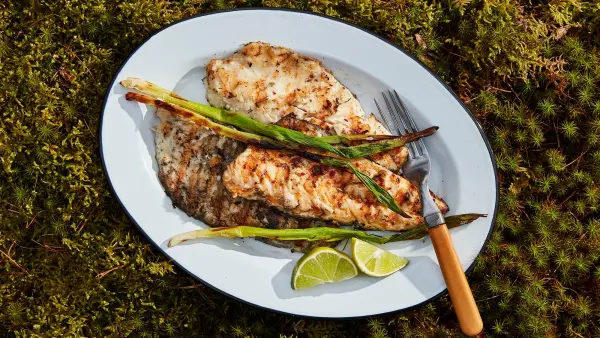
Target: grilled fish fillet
307,189
269,83
276,85
191,161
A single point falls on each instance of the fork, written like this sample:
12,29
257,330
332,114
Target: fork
416,169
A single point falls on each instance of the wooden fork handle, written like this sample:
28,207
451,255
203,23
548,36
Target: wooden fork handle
456,281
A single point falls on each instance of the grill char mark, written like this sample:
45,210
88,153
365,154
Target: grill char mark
191,162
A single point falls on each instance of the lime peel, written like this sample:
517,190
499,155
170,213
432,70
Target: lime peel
374,261
322,265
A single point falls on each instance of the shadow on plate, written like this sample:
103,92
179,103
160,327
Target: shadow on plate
143,123
420,272
282,284
190,86
424,273
246,246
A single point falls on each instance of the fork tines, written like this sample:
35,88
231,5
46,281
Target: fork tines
398,120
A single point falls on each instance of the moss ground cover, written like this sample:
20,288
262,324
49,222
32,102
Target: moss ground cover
72,264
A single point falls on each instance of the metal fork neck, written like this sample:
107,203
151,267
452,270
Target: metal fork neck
431,213
434,220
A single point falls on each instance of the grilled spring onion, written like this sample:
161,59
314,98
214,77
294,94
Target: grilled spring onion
382,195
270,130
202,121
223,130
368,149
267,142
317,233
348,139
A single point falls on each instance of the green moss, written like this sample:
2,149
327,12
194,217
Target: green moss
529,70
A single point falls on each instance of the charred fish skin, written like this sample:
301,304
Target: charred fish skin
191,161
269,83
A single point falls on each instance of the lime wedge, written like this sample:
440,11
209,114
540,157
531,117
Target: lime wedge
322,265
375,261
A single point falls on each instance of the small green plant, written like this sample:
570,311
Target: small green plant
72,263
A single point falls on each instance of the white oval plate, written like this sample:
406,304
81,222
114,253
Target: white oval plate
463,169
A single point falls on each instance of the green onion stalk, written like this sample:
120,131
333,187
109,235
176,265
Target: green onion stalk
224,130
382,195
202,121
325,234
348,139
273,131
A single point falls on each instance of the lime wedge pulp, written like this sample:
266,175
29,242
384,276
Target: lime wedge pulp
322,265
375,261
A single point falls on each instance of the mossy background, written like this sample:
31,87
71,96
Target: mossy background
72,264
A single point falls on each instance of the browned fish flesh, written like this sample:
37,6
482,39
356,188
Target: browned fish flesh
191,161
269,83
306,188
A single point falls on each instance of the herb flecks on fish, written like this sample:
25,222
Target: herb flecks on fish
381,194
